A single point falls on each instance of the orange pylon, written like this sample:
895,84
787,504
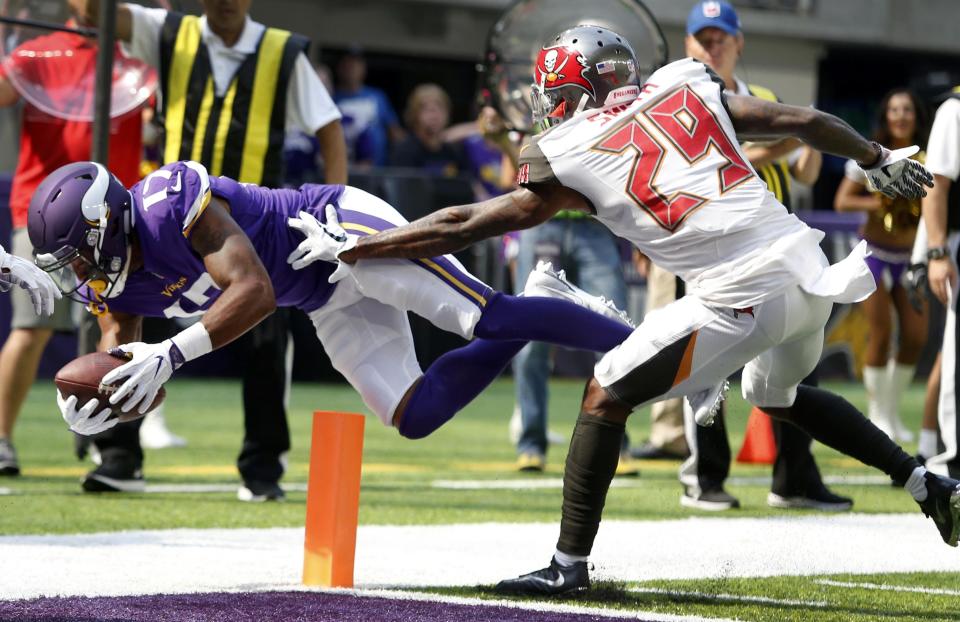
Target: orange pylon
333,499
759,445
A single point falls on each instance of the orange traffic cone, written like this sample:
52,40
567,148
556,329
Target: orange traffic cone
759,446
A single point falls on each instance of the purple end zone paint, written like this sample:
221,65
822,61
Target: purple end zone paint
276,606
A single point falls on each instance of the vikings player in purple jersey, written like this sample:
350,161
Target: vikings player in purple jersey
183,243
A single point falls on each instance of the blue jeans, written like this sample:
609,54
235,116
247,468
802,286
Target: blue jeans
589,253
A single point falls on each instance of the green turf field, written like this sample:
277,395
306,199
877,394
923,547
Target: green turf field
398,488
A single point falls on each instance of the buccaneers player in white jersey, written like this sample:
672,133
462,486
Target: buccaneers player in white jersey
659,164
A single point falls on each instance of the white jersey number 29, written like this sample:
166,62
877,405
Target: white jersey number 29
691,127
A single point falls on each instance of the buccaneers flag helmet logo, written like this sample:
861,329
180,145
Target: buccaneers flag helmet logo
562,66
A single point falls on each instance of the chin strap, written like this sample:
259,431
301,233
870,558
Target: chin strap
97,306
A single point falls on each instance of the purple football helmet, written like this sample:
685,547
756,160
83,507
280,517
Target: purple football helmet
79,221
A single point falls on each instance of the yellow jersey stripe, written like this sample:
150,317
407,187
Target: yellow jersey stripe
358,227
777,189
187,43
453,280
257,138
203,117
223,126
203,206
432,265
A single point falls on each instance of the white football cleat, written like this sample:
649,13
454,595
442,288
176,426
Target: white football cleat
544,282
706,403
154,433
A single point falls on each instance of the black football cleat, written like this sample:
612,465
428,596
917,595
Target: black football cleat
550,581
258,491
114,476
943,506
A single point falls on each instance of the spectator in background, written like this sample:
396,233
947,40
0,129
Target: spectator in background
218,110
427,116
47,142
487,145
370,124
889,230
941,215
302,161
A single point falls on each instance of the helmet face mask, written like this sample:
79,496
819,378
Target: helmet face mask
80,222
583,68
80,277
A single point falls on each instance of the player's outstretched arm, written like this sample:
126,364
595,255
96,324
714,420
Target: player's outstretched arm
246,298
455,228
234,266
758,119
891,172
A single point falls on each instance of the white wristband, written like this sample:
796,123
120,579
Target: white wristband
193,342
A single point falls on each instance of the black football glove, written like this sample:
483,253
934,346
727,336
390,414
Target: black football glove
915,282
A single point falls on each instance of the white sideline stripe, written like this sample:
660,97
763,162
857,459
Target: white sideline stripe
485,484
200,488
216,560
732,597
604,612
517,484
557,482
890,588
842,480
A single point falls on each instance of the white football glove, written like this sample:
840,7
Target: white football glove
897,175
150,367
87,420
325,241
18,271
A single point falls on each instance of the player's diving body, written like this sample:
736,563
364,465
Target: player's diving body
660,165
182,243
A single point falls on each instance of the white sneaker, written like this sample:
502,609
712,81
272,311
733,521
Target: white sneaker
902,434
516,430
706,403
544,282
154,433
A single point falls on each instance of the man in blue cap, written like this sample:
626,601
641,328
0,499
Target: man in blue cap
715,37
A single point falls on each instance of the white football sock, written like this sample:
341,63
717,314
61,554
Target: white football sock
566,559
899,378
928,443
875,381
917,484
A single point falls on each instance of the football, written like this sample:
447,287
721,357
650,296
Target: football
82,377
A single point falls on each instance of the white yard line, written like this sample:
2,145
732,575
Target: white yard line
737,598
5,491
200,560
890,588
